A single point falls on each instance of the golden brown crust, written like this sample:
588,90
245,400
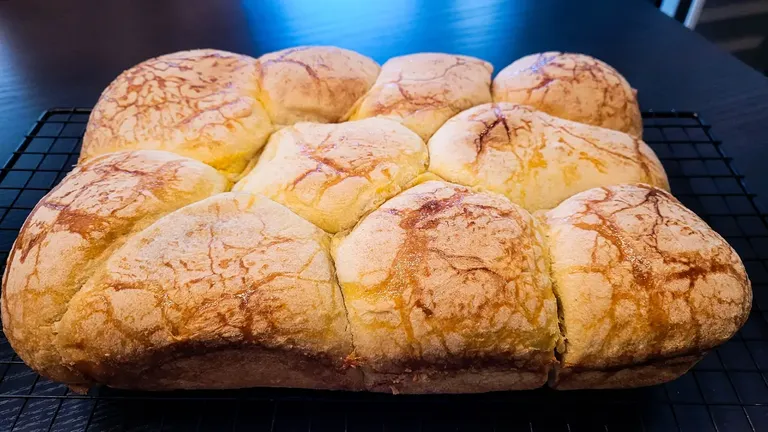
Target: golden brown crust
640,279
75,227
334,174
140,271
572,86
443,284
535,159
313,83
201,104
424,90
234,272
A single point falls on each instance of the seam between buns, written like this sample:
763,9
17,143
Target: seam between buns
90,271
334,274
119,242
561,346
102,259
346,314
144,222
249,166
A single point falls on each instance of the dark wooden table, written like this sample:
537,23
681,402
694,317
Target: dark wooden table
64,53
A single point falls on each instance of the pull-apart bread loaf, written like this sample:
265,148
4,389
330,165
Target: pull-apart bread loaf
396,251
535,159
572,86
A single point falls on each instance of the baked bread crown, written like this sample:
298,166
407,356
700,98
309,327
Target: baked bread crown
202,104
572,86
435,242
535,159
424,90
333,174
313,83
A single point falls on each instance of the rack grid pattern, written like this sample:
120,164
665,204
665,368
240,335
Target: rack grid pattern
727,391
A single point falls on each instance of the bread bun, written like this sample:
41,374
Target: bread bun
535,159
644,286
424,90
75,227
447,291
313,83
334,174
572,86
201,104
235,279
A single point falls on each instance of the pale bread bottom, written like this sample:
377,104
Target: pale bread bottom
455,381
241,368
648,374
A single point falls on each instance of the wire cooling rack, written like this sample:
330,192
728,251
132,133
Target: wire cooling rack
727,391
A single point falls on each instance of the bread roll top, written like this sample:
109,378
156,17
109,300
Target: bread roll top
201,104
424,90
333,174
572,86
535,159
313,83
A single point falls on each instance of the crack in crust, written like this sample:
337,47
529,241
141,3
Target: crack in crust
200,104
457,283
234,271
313,83
572,86
333,174
75,227
641,280
424,90
514,150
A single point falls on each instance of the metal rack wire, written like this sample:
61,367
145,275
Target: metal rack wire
728,390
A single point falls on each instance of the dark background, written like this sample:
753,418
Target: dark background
64,53
739,27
